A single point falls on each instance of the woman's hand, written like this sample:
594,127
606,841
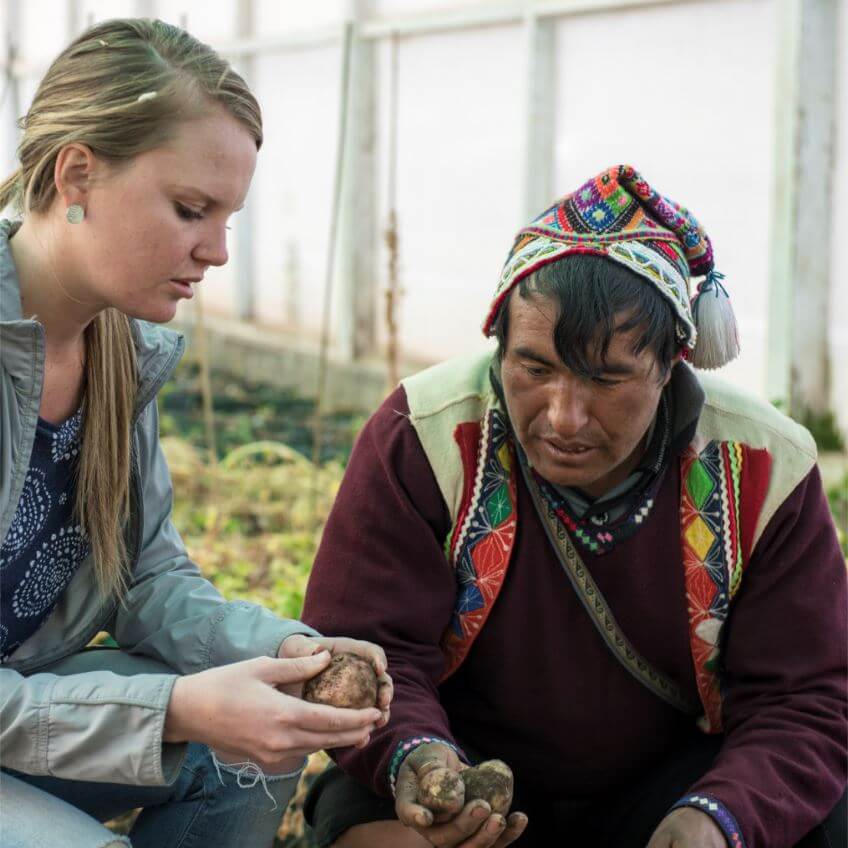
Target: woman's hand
240,709
304,646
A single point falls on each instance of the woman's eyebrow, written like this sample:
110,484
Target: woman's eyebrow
202,195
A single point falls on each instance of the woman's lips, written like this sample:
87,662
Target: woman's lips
185,288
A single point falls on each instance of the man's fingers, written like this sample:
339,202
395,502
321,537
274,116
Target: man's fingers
440,756
474,827
515,826
300,645
385,691
407,808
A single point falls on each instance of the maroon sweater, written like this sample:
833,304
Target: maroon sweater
541,690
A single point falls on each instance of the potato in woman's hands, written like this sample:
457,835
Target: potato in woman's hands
348,681
492,782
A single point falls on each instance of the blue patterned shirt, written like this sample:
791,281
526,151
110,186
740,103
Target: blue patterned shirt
45,544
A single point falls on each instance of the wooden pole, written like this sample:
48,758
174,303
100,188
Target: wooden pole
331,243
393,292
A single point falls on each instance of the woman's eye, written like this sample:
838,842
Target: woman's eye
186,213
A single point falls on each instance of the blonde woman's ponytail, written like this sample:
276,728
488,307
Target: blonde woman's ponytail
11,190
104,471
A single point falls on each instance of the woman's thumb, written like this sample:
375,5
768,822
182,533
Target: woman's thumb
297,669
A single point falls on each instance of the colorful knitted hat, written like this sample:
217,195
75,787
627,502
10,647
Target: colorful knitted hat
618,215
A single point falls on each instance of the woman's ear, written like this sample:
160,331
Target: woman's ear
75,166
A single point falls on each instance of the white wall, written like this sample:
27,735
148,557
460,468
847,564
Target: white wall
686,93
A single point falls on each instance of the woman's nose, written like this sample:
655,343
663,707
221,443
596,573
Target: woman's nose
212,250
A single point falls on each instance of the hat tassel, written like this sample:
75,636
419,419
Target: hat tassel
718,335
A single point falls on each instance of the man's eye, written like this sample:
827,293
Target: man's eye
603,381
534,371
186,213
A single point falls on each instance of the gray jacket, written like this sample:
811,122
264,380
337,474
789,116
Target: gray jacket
99,725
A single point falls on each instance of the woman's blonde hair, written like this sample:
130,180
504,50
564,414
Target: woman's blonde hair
122,88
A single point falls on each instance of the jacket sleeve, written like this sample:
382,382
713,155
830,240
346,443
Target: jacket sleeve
782,766
62,726
171,612
380,574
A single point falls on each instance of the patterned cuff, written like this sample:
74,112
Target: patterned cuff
718,813
405,748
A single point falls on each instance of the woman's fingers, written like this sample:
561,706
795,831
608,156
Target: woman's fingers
279,672
323,719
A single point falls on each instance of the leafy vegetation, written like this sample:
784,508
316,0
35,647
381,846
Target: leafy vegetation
249,412
838,497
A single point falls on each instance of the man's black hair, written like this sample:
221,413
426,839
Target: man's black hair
592,292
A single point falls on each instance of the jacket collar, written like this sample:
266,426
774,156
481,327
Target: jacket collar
10,295
158,349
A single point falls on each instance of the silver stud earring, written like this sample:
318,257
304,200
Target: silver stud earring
75,213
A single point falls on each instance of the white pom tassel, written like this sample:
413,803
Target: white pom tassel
718,335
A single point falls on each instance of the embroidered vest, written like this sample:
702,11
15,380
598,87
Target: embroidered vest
744,461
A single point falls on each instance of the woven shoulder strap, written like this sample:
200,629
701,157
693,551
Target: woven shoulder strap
599,611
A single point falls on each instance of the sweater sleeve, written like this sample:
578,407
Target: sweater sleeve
782,767
381,574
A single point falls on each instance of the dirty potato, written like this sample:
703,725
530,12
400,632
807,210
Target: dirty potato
492,782
348,681
442,791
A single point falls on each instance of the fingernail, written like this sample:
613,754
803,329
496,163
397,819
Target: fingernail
423,820
479,812
496,824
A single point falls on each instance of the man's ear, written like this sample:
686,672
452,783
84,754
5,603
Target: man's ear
675,359
75,166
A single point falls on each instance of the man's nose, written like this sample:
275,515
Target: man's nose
568,409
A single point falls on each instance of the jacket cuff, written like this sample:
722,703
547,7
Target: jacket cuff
406,747
718,813
242,630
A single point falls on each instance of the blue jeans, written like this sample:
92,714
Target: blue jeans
205,806
197,811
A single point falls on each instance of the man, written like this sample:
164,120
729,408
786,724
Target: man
587,560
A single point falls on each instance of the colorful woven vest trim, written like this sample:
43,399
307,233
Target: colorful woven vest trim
479,547
723,488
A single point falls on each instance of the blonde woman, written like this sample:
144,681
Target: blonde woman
139,145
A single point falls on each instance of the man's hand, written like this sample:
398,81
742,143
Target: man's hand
687,827
240,711
472,826
305,646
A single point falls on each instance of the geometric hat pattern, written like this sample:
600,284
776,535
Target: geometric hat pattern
618,215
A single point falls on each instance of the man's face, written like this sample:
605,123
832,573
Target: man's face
577,431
